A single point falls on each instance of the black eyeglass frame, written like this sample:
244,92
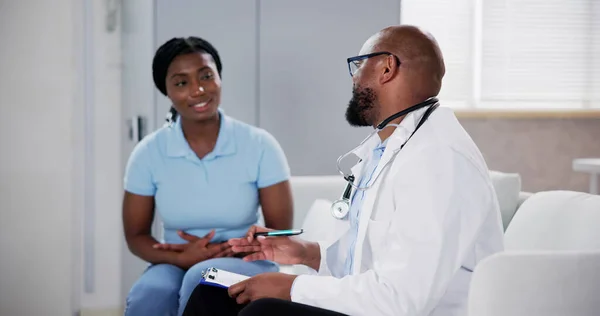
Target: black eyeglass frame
355,59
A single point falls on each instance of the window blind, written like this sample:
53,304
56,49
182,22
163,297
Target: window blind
451,23
536,53
518,54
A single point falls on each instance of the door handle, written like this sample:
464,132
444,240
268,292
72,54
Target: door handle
137,128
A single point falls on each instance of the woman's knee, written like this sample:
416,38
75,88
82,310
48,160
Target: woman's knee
192,277
159,283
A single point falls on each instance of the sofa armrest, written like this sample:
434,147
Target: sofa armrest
522,197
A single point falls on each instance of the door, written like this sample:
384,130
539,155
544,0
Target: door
138,96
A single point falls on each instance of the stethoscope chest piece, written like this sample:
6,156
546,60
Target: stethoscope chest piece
340,208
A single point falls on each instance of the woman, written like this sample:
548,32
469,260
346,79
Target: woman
206,174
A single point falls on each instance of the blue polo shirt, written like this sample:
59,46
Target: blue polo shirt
217,192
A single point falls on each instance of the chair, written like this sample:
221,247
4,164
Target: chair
536,284
556,220
551,263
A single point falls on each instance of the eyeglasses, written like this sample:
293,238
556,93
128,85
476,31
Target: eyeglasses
355,62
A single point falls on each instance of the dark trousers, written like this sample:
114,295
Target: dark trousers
208,300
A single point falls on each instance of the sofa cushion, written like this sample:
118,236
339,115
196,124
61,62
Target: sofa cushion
536,284
317,221
507,187
307,189
318,225
556,220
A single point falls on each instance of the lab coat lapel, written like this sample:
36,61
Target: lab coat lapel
398,137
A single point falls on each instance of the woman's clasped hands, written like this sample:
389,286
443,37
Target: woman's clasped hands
197,249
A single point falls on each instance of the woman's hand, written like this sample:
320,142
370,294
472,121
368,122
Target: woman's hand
284,250
190,239
197,249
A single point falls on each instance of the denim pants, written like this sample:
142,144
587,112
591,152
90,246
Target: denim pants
164,289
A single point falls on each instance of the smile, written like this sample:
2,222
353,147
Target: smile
200,105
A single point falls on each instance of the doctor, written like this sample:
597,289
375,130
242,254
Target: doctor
423,216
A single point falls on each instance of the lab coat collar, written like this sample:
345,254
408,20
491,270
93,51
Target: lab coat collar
398,137
177,145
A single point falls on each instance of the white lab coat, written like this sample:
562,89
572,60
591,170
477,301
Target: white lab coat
429,218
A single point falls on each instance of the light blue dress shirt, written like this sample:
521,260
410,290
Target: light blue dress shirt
219,191
357,200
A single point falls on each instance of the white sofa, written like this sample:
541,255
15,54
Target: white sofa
552,258
536,284
314,194
552,239
551,265
307,189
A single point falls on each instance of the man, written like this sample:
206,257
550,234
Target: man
424,216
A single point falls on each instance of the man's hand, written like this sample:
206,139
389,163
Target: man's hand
283,250
197,249
265,285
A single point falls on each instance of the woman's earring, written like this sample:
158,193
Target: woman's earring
169,119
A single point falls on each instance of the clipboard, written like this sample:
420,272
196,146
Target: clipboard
221,278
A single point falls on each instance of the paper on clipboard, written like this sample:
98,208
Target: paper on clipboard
221,278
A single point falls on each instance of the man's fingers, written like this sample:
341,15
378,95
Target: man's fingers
272,241
255,229
255,256
246,248
250,234
243,298
235,289
239,242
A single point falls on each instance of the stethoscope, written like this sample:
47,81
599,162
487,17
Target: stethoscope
341,207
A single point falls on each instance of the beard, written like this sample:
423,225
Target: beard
361,109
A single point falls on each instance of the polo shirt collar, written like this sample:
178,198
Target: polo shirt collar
177,145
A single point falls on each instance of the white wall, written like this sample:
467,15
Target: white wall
284,64
305,85
38,75
232,27
42,133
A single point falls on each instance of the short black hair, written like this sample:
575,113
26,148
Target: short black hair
174,47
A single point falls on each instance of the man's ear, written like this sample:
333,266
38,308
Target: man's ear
389,70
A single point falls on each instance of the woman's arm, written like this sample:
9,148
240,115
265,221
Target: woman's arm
277,205
275,193
138,213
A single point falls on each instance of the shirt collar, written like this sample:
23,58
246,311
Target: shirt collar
177,145
398,137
